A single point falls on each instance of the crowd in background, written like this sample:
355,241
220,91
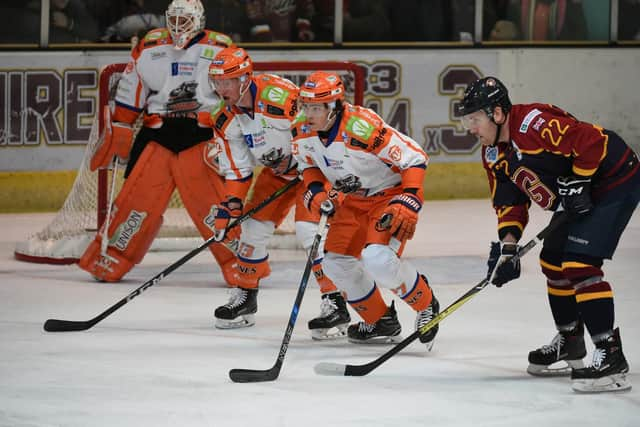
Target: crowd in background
76,21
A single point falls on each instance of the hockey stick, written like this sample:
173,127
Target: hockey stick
253,375
337,369
57,325
107,224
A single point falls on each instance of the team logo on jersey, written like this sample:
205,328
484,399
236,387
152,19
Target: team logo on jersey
524,126
360,127
332,163
491,154
125,231
275,94
395,153
183,98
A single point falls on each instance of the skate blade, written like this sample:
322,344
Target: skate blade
328,334
239,322
378,340
610,383
558,369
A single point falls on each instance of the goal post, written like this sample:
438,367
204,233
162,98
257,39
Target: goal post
73,227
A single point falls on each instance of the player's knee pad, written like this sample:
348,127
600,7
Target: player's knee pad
347,274
305,234
247,273
386,267
254,239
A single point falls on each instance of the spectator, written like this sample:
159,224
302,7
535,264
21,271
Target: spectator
20,23
229,17
463,20
72,22
419,20
629,20
549,19
121,20
280,21
364,20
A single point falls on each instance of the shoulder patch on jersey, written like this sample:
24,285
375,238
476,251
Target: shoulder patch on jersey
524,126
219,38
275,94
360,127
273,110
358,144
157,34
217,108
222,119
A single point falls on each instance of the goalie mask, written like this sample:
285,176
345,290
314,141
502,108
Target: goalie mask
185,19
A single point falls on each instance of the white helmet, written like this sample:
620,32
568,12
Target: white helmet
185,19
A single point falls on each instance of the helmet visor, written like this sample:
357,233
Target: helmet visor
475,120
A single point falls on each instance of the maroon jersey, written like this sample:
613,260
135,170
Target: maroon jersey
546,143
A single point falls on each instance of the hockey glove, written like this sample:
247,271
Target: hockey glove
403,209
316,194
505,271
118,137
227,211
575,194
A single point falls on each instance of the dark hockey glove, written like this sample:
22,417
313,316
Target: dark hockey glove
505,271
575,194
227,211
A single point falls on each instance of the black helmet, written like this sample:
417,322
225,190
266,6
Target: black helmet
485,94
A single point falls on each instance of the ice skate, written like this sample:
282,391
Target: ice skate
384,331
565,352
239,311
608,369
425,316
333,320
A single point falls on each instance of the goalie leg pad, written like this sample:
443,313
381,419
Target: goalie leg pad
137,216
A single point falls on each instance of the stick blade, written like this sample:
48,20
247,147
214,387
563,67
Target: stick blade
57,325
253,376
330,369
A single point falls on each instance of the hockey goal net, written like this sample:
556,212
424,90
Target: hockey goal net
74,226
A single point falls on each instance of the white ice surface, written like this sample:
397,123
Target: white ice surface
158,361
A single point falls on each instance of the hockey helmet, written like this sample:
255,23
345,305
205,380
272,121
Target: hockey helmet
485,94
322,87
185,19
229,63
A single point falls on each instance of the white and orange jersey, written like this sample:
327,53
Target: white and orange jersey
261,136
362,152
162,80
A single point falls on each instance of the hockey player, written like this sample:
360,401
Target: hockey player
380,171
255,119
166,81
539,152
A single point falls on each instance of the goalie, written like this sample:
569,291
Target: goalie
166,80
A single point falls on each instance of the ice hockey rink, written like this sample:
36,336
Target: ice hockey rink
158,361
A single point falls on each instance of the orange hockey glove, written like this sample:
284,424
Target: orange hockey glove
403,209
316,194
227,211
117,141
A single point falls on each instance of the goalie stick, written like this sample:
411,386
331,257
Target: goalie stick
254,375
58,325
338,369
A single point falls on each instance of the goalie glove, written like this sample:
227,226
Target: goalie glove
116,142
575,194
227,211
505,271
403,209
